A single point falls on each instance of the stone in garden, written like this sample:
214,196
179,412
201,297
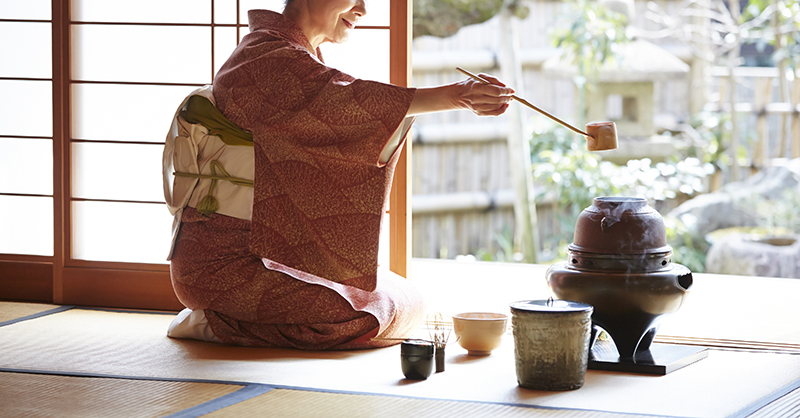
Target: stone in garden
748,255
728,207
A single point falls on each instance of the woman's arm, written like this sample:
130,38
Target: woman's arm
481,99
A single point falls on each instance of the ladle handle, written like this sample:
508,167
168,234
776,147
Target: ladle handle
526,103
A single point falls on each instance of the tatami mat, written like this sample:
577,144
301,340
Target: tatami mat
783,407
41,395
130,344
13,311
309,404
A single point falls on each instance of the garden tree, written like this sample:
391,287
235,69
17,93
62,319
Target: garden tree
443,18
777,23
588,33
723,28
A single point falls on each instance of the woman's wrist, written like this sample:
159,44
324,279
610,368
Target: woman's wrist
481,99
434,99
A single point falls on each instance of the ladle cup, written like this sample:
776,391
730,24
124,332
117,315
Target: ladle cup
600,136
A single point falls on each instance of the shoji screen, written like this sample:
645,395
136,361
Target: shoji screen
26,128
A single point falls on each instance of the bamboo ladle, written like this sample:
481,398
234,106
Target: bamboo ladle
600,136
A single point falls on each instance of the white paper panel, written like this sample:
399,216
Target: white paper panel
225,12
142,11
365,55
26,166
26,108
224,44
26,225
151,54
25,50
377,13
245,5
126,232
117,171
25,9
113,112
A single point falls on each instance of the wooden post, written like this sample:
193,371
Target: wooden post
699,85
400,198
763,92
795,101
780,42
61,145
526,236
718,180
733,57
783,130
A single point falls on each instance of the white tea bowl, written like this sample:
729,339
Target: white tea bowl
479,332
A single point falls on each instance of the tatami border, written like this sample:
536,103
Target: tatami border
243,394
65,308
37,315
764,402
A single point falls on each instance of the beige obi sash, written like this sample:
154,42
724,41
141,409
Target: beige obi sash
201,169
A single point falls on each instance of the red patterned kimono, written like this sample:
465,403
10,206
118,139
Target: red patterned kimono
303,272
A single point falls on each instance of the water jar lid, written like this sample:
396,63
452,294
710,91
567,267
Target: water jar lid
551,306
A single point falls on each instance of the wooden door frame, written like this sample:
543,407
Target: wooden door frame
400,200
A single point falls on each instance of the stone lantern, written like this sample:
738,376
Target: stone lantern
623,93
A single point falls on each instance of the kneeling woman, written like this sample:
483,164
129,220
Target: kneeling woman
278,178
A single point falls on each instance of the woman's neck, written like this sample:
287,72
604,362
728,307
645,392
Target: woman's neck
297,11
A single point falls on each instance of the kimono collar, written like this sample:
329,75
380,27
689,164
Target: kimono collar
280,26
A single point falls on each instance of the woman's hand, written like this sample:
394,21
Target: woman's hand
479,98
483,99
